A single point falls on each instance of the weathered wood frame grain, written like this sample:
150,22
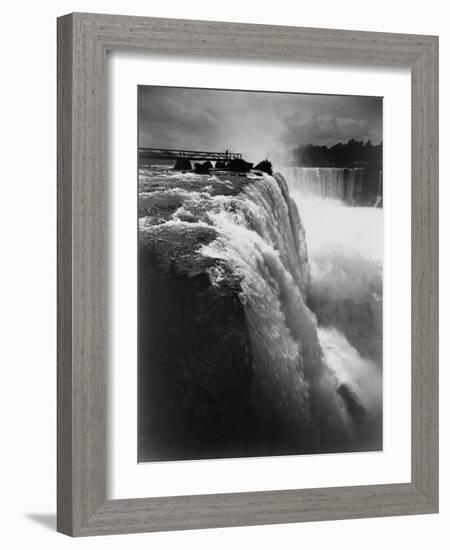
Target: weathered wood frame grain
83,41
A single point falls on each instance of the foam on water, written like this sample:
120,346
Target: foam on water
281,258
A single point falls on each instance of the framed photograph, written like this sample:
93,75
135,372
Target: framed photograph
247,274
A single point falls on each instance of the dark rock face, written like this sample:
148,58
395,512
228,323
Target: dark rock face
195,403
264,166
354,407
202,168
195,358
239,165
182,164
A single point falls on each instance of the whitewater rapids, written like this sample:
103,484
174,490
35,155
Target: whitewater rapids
307,267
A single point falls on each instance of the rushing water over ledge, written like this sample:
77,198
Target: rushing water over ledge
248,346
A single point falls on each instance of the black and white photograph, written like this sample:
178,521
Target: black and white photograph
223,240
260,274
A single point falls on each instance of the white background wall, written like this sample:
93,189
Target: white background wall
28,268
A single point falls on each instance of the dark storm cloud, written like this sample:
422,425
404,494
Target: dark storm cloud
254,123
326,120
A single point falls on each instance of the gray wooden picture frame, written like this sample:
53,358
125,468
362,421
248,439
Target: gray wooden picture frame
83,41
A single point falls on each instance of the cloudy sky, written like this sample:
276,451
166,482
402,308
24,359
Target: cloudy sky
256,124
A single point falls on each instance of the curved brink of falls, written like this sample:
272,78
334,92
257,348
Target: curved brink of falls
310,390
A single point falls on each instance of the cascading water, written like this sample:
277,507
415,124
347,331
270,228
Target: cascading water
343,184
264,242
345,247
379,199
314,388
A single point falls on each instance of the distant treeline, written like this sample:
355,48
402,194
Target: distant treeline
344,155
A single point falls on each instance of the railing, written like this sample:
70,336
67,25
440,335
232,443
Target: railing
174,154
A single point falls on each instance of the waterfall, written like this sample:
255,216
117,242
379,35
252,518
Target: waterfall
264,242
331,183
309,385
379,199
345,253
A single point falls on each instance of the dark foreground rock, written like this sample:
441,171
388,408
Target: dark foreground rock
202,168
195,356
264,166
239,165
182,164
